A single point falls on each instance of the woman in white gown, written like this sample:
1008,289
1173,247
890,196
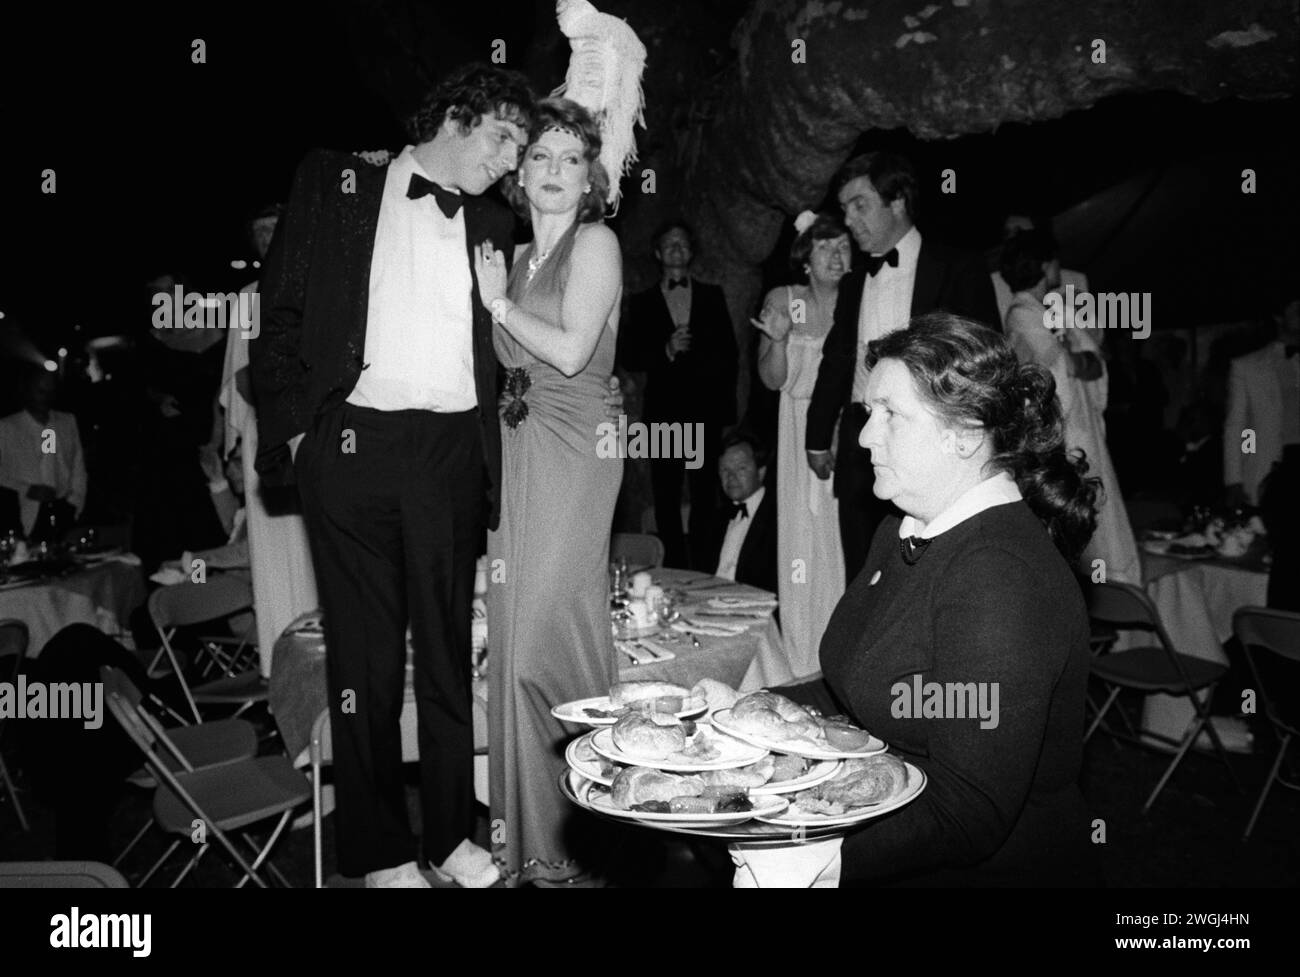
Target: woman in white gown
284,582
1031,269
794,324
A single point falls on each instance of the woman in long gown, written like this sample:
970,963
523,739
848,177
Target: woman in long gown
794,324
548,614
1030,267
284,581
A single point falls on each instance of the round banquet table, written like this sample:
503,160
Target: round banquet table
754,659
101,594
1196,599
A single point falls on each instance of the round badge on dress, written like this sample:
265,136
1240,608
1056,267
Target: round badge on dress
875,579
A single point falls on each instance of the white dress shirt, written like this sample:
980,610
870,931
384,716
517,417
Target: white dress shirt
996,490
29,456
734,541
420,324
886,304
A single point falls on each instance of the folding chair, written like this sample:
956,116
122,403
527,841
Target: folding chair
60,875
13,649
1125,607
186,748
221,597
225,798
1271,640
639,549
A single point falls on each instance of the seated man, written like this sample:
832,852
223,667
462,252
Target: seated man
748,552
41,459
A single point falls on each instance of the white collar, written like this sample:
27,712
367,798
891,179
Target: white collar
909,248
404,164
751,504
997,490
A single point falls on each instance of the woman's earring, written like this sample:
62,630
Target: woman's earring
587,188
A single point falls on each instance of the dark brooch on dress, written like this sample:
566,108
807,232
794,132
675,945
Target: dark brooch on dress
517,383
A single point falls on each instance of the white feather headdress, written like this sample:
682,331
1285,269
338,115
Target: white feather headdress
604,77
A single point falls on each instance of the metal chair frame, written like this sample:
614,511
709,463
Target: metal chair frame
1271,632
17,647
146,734
1126,607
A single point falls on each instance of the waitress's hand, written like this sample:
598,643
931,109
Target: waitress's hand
490,269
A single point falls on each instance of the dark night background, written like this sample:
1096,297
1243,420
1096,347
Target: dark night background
159,161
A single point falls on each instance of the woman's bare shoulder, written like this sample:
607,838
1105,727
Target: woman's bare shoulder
595,237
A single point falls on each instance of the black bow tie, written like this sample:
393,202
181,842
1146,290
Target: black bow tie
877,261
1292,350
913,547
448,202
739,509
678,283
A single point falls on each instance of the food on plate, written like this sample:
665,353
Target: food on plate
776,718
859,783
641,785
843,736
658,792
651,737
644,697
716,803
718,695
584,752
657,737
787,767
629,693
754,775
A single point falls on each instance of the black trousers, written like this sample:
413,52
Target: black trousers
393,502
666,478
860,511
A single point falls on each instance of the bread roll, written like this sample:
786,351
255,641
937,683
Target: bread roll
626,693
642,738
640,785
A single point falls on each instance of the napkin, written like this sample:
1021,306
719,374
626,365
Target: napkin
810,865
728,619
665,654
726,603
640,655
719,630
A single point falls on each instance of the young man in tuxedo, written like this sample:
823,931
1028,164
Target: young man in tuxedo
748,541
902,276
376,391
680,334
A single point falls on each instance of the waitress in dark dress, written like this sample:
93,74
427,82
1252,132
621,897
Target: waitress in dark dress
971,585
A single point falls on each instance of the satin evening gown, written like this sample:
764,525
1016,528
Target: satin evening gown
549,637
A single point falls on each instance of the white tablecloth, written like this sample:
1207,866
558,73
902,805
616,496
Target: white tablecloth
103,596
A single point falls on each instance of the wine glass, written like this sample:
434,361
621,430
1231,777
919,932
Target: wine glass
666,607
